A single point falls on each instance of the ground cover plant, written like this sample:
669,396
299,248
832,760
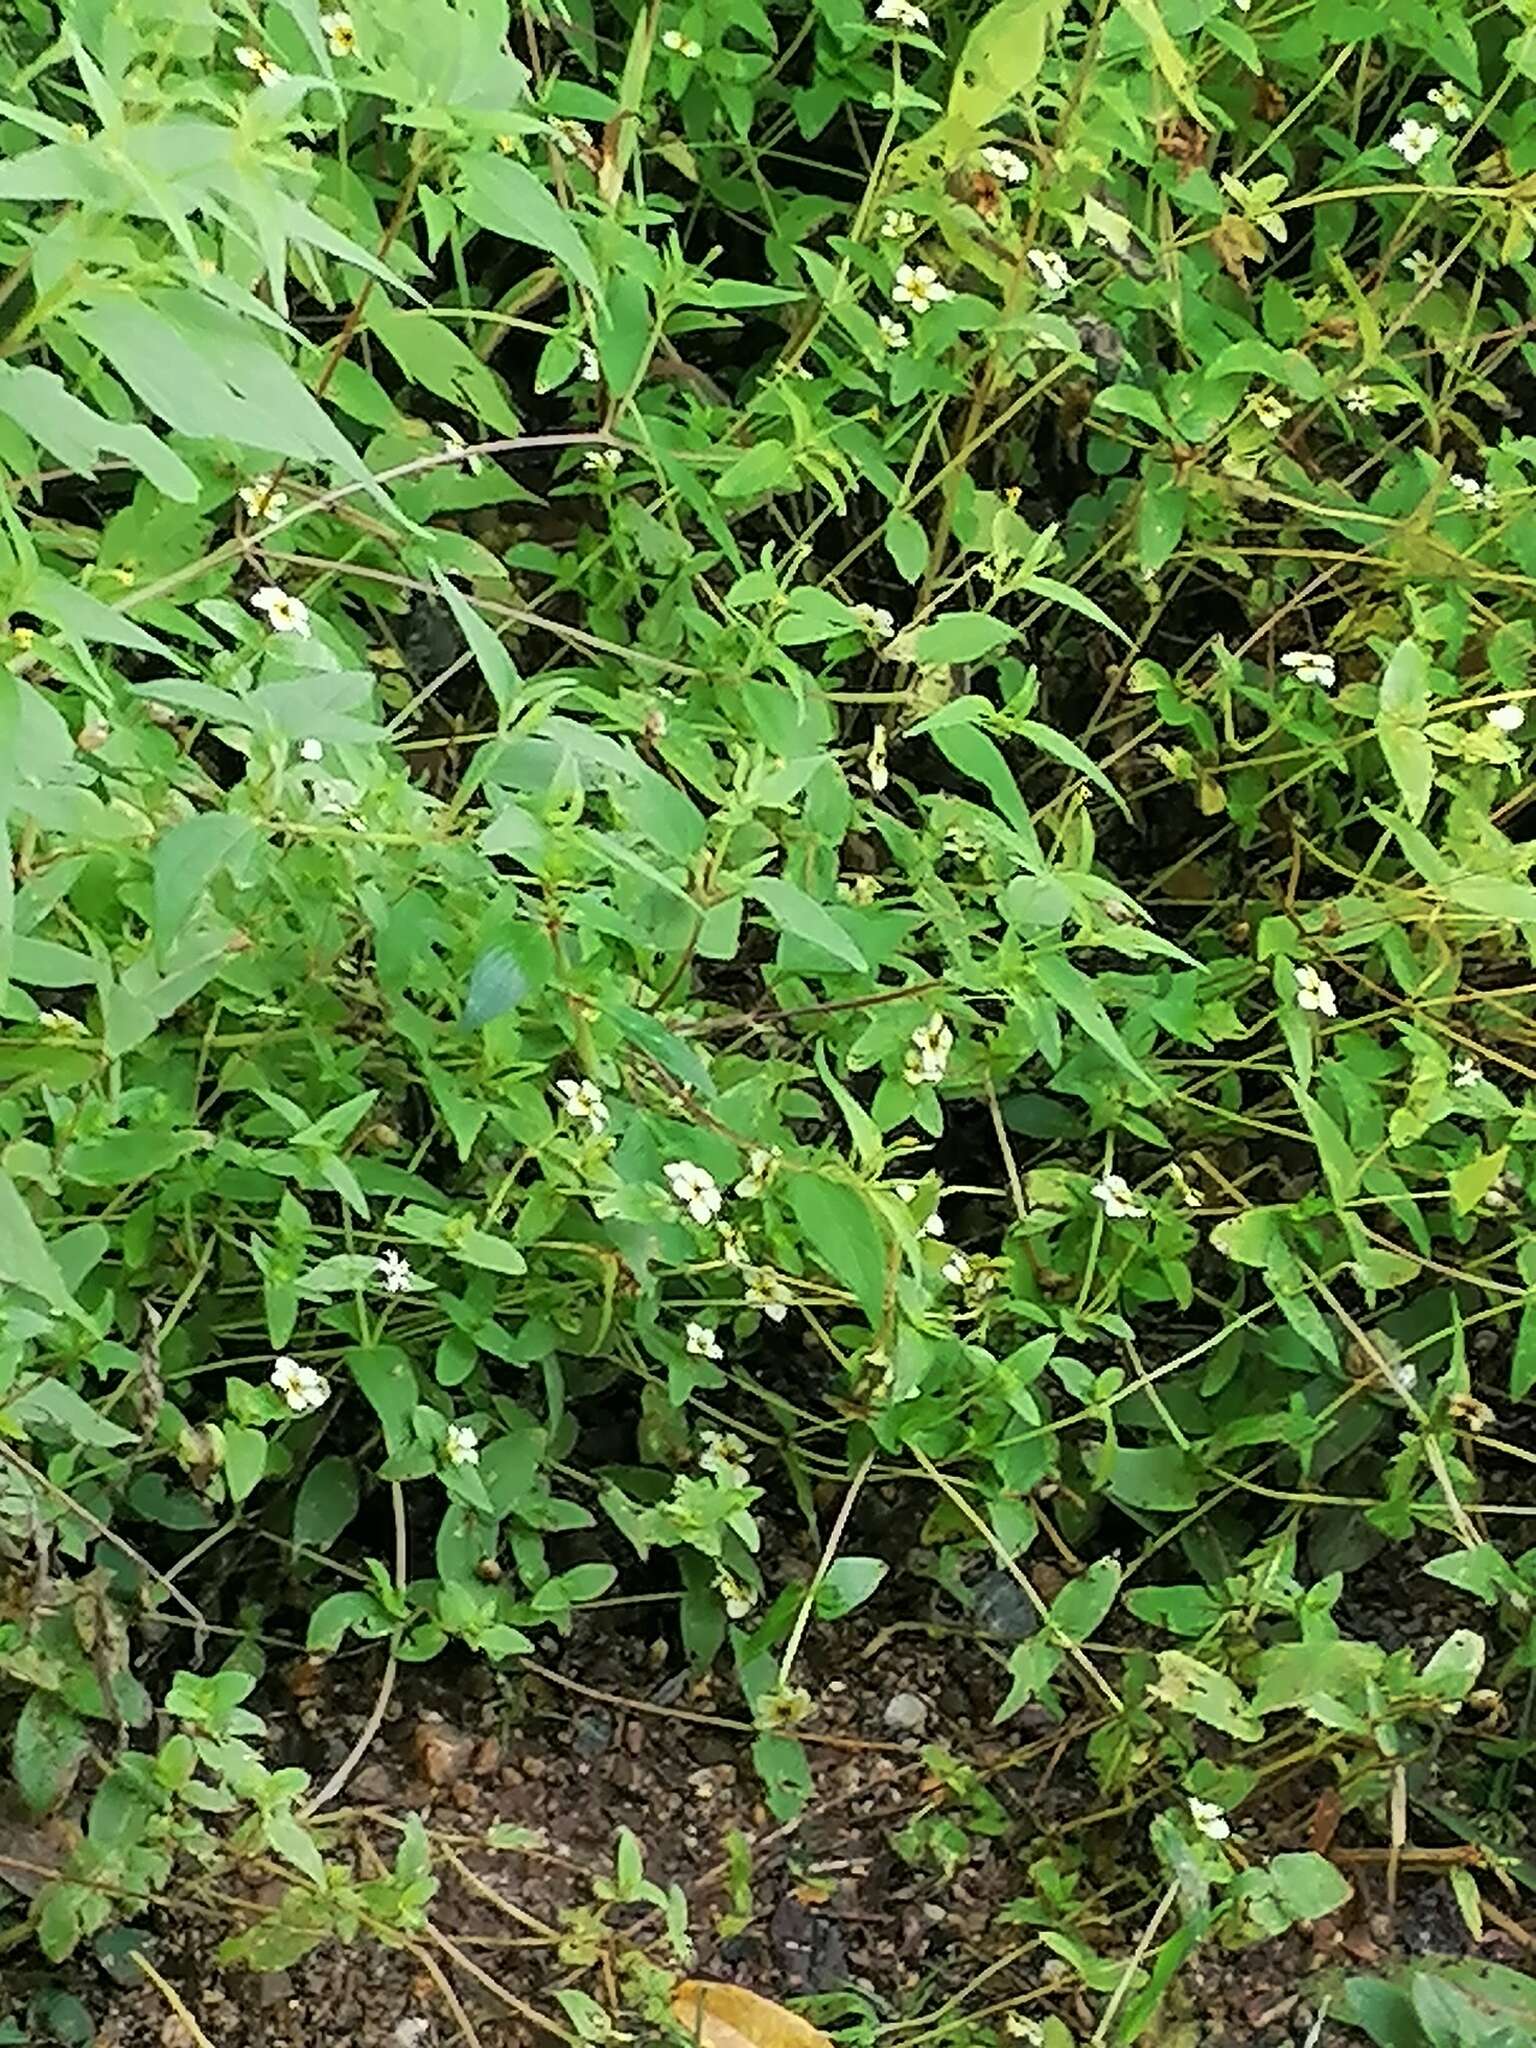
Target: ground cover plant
752,756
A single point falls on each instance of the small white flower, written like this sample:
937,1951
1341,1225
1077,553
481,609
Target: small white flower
902,12
1051,269
1451,101
1465,1072
733,1246
584,1102
1210,1820
455,444
591,369
569,137
1507,717
700,1341
928,1053
340,33
932,1225
762,1162
1480,497
1357,398
61,1022
460,1445
693,1189
1006,165
311,749
957,1269
1414,140
724,1456
1271,412
284,614
602,461
1420,265
876,620
1312,668
1314,993
1115,1196
394,1271
892,333
739,1599
256,60
262,499
860,889
769,1291
301,1386
680,45
919,286
875,764
897,224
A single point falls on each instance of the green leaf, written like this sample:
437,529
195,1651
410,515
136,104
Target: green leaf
805,918
1307,1885
998,66
975,753
1083,1602
842,1232
958,636
507,198
433,356
1190,1687
326,1504
1404,706
388,1381
1160,517
25,1259
1166,54
1522,1363
497,983
55,1408
47,1745
907,545
496,664
245,1460
42,405
1470,1182
187,858
848,1583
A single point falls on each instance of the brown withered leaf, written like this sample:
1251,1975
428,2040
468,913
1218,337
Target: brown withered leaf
729,2016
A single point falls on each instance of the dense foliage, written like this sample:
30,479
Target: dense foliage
745,748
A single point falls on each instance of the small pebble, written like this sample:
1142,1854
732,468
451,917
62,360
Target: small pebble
906,1713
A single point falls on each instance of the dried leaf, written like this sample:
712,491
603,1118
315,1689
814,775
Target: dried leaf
727,2016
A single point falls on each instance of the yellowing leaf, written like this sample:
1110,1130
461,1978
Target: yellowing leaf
727,2016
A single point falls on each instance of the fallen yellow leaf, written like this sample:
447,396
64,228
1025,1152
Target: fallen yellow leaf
726,2016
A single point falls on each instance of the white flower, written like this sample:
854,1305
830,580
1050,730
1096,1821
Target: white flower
1314,993
1115,1196
1006,165
897,224
680,45
460,1445
602,461
693,1189
394,1271
455,444
311,749
876,620
300,1385
902,12
61,1022
1414,140
1420,265
1271,412
875,765
739,1599
1210,1820
1507,717
1312,668
762,1160
1451,101
569,137
1051,269
892,333
957,1269
932,1224
340,33
584,1101
724,1455
700,1341
733,1246
860,889
284,614
1480,497
1465,1072
591,369
1357,398
768,1291
258,61
919,286
262,499
928,1054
